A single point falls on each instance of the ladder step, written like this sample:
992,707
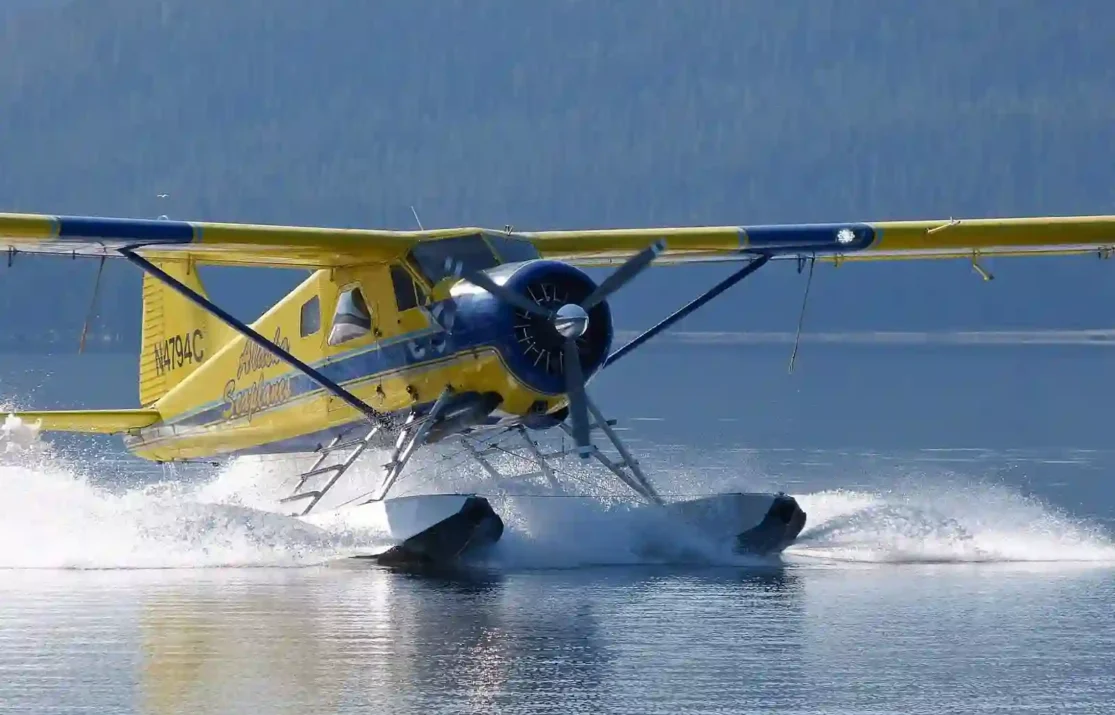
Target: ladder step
300,495
359,441
322,470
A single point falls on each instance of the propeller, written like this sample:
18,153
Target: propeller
570,322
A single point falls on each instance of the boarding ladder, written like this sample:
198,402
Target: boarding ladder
350,451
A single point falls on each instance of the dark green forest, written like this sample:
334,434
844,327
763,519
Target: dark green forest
565,114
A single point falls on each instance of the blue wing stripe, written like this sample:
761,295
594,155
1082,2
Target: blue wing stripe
126,229
840,237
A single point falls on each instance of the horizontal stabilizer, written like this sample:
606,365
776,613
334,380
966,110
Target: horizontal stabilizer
89,421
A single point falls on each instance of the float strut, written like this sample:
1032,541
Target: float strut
693,305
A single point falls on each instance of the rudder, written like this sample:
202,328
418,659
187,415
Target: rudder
178,336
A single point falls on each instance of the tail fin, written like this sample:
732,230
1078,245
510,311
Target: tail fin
178,336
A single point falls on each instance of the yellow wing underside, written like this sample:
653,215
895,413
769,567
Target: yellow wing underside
89,421
319,247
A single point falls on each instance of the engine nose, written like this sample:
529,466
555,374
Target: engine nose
560,326
571,321
535,349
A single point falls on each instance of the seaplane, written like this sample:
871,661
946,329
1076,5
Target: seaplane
405,340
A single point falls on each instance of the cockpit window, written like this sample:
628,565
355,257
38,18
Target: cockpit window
407,295
437,259
351,319
514,250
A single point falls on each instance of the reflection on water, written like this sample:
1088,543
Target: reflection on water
344,640
871,638
358,640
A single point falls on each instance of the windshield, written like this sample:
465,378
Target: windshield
514,250
437,259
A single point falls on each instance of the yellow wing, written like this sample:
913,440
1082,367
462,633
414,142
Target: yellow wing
317,247
212,243
883,240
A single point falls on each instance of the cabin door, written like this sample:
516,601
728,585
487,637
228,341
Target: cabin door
352,339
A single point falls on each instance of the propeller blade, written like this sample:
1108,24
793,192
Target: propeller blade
444,314
633,267
482,280
578,403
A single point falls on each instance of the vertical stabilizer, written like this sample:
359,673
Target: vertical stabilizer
178,336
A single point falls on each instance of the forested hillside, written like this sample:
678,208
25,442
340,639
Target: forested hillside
566,114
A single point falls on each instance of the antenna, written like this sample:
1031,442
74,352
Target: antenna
418,220
90,314
92,306
804,302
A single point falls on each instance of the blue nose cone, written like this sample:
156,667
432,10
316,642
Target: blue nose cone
530,345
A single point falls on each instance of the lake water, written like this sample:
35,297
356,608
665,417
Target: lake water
959,556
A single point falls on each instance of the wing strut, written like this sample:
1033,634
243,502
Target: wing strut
210,307
693,305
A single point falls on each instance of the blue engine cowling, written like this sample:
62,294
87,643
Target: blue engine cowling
529,345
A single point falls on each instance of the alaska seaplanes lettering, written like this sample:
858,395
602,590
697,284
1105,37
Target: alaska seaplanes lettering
247,393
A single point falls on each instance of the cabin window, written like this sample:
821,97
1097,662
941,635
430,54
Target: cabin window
311,317
352,318
407,294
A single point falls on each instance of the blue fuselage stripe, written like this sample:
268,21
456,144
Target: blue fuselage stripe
365,363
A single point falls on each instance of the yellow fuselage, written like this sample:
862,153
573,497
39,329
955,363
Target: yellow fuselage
241,398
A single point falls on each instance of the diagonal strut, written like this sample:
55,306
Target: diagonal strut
754,265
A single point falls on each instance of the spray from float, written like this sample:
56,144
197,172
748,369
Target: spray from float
65,513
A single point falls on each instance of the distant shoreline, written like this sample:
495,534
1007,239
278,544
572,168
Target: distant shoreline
1095,337
975,337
